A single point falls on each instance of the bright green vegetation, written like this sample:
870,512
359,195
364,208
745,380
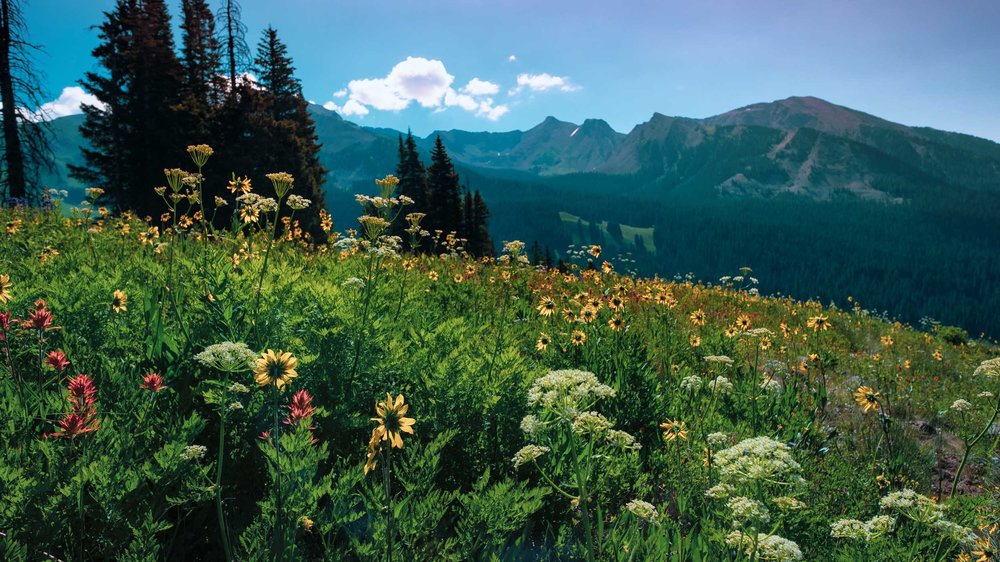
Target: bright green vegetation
682,421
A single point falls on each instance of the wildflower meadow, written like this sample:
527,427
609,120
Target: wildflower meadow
176,389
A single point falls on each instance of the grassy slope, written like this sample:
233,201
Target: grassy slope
462,349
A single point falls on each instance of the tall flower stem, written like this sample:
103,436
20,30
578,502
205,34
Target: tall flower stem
581,485
279,527
227,548
387,483
263,272
969,444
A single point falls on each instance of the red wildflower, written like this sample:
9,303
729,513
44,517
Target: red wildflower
40,319
153,382
57,360
4,325
300,409
83,417
82,392
75,424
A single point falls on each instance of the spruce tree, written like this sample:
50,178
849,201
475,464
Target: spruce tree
445,201
482,241
468,220
136,133
284,134
412,181
201,61
105,126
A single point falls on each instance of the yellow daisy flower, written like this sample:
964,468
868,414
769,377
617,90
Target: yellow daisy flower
391,420
277,368
868,398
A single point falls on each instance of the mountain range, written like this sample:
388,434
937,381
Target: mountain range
795,179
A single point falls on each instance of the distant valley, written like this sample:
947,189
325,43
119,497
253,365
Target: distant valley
820,199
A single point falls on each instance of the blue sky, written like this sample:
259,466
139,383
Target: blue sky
912,61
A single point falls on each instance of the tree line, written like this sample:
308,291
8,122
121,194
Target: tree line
437,191
156,101
157,97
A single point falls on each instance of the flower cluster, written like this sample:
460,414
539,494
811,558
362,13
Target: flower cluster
765,546
528,453
867,531
82,417
989,368
758,459
568,391
228,357
643,510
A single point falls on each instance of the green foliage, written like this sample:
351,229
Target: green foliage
168,474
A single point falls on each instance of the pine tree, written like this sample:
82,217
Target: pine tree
136,133
284,134
468,224
25,140
482,241
412,181
105,126
412,174
201,61
444,199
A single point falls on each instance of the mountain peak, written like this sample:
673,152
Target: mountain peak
798,112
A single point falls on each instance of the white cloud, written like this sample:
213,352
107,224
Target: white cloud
424,81
512,58
493,112
465,101
542,82
68,103
415,79
477,87
351,107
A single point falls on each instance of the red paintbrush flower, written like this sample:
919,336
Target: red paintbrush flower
57,360
82,392
75,424
83,417
40,319
5,323
300,409
153,382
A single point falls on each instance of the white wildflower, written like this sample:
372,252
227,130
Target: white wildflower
297,202
961,405
720,491
989,369
568,391
691,383
722,359
643,510
192,452
788,503
528,453
622,440
591,422
757,459
746,511
530,424
720,385
228,357
717,439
